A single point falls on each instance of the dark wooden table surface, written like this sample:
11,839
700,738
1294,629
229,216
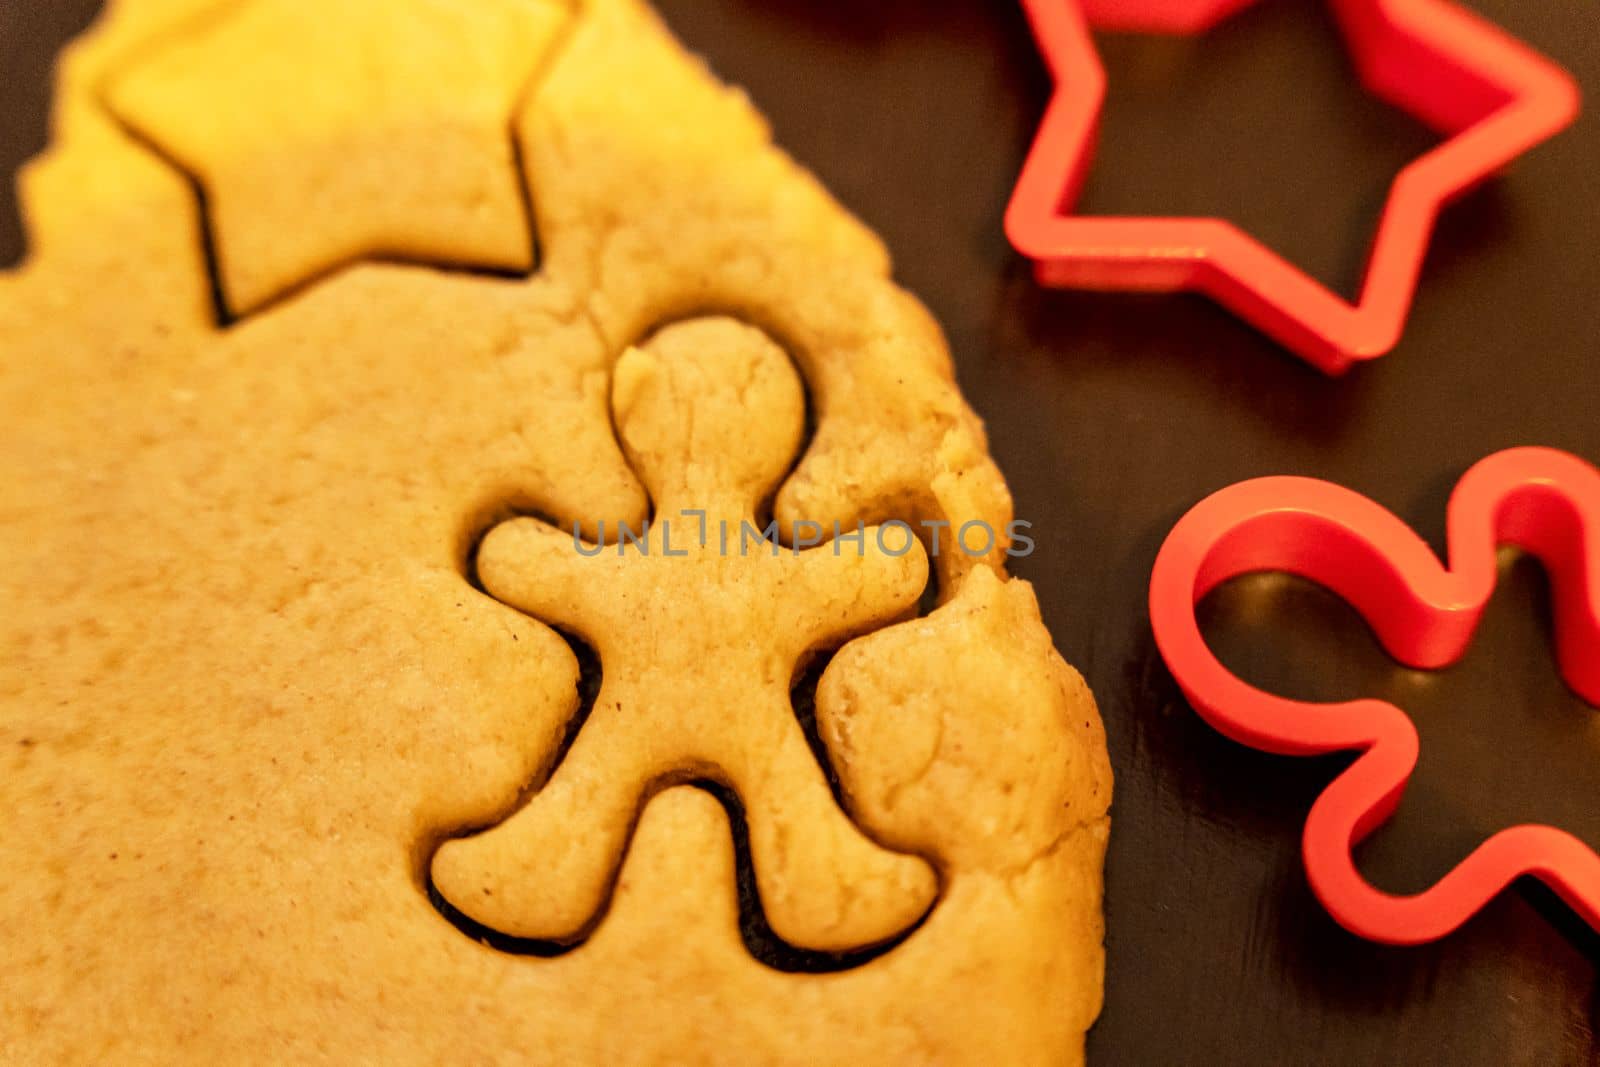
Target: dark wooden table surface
1111,415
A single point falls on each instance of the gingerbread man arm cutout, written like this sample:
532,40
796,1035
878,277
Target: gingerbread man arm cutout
699,636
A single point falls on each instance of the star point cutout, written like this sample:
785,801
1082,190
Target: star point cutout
324,134
1424,614
1491,96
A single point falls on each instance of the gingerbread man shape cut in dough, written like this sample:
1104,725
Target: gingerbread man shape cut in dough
700,637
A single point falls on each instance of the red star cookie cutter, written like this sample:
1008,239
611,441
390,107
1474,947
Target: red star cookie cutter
1544,501
1491,95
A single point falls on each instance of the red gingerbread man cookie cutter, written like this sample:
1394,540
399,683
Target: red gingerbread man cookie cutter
1490,95
1424,614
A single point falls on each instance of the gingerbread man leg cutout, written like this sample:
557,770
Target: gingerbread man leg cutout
700,630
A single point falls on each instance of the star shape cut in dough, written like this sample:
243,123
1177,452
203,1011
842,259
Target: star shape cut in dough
257,103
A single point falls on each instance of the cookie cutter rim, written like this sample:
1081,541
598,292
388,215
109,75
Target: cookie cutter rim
1492,97
1424,614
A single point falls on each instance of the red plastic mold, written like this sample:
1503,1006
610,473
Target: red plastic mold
1491,96
1544,501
